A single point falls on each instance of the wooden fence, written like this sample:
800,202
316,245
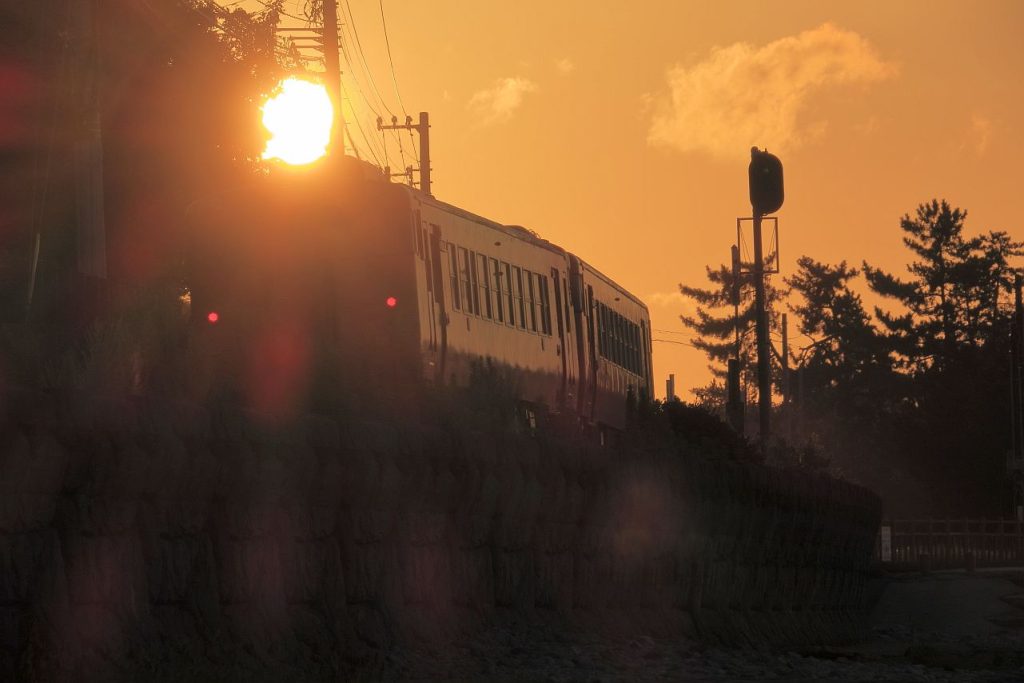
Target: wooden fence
950,543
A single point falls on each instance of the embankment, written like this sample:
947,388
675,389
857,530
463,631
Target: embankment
163,541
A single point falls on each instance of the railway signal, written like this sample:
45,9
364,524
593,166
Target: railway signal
765,177
766,196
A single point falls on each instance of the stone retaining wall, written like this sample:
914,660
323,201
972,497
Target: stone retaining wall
166,542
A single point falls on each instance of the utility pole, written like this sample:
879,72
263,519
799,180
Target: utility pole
332,67
423,130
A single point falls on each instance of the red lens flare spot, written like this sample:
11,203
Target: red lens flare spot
212,317
391,302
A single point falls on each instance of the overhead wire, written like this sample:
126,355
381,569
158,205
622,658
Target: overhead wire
362,55
352,64
673,341
394,80
368,72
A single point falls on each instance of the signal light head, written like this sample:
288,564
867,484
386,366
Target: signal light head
391,302
212,317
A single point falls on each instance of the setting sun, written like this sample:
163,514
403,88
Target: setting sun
299,119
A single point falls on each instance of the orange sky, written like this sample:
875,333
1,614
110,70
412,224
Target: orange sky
621,131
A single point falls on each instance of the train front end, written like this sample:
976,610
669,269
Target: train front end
301,291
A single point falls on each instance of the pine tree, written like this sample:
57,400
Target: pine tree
952,343
953,297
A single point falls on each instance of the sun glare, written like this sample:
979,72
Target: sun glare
299,119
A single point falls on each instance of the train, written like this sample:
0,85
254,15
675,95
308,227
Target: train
400,285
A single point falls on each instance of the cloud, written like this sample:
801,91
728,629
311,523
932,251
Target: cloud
498,103
673,300
565,66
742,95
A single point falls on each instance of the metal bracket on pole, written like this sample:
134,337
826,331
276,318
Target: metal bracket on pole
772,258
423,129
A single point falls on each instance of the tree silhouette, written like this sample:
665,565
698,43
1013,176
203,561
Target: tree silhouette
952,300
915,406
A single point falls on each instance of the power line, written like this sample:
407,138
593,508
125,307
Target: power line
362,56
674,341
275,9
387,44
394,80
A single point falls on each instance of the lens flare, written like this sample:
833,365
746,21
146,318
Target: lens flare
299,119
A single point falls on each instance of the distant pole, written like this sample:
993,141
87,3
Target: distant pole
332,67
734,401
736,297
670,387
1016,375
424,130
800,399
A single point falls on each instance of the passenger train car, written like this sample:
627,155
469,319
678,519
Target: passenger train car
403,285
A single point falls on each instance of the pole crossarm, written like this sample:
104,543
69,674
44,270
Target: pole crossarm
423,130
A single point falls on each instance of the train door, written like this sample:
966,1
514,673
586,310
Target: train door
645,360
428,334
576,300
592,348
439,319
556,279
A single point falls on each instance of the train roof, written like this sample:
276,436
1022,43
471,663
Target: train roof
614,284
519,232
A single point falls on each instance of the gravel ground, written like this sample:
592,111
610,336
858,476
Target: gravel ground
941,627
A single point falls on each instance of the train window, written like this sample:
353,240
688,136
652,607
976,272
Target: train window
636,347
641,334
619,339
531,299
620,328
499,302
545,305
484,286
466,285
613,321
507,290
454,263
616,356
609,340
517,285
